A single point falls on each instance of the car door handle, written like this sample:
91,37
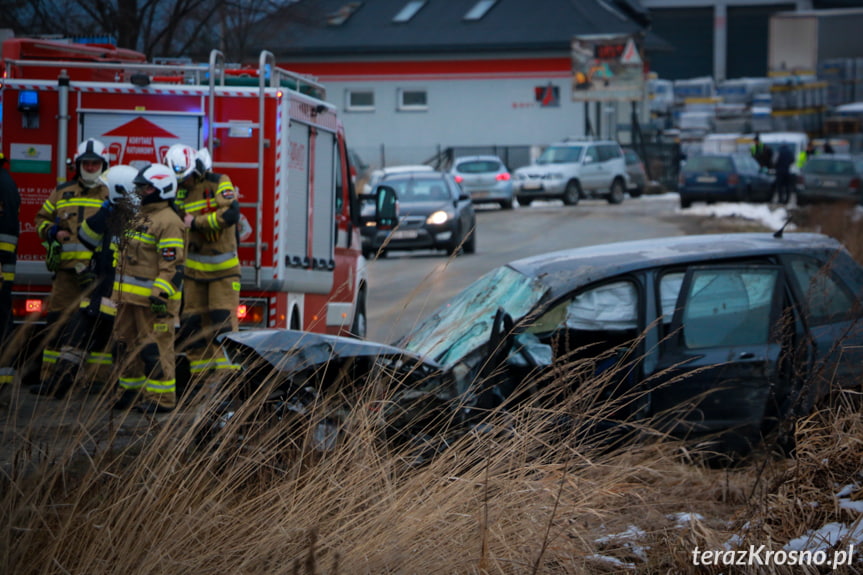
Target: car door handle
746,355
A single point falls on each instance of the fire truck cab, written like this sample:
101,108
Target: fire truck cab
270,130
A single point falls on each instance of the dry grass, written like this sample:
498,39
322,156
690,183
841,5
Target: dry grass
110,493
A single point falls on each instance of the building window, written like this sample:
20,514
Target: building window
409,11
359,101
413,100
479,10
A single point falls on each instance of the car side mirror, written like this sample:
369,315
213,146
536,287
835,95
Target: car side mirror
386,208
588,159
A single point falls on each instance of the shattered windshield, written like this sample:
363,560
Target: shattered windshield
464,323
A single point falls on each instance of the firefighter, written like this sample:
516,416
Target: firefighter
211,291
148,292
102,233
58,223
10,201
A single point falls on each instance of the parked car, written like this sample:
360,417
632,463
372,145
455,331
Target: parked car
831,177
377,175
434,213
485,178
716,336
573,169
724,178
636,171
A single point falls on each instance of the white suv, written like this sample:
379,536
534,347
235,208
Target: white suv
573,169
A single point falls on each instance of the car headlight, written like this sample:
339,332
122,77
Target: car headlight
438,217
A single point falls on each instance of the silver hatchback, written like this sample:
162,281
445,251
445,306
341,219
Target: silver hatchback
485,178
831,178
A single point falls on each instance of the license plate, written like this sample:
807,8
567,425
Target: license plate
531,186
481,194
706,179
404,234
829,183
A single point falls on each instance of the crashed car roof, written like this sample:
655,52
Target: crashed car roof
562,270
296,350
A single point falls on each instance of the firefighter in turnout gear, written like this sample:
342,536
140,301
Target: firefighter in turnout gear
10,202
58,223
148,292
102,232
211,293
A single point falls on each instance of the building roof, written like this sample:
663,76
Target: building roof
339,27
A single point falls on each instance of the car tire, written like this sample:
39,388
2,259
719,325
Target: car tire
572,193
615,195
470,243
506,205
359,327
685,202
524,202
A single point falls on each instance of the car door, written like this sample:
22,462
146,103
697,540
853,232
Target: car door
463,206
722,353
590,174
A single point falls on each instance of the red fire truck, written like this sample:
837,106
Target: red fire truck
270,130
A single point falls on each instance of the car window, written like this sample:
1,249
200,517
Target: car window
420,190
631,157
560,155
825,298
478,167
709,164
746,163
608,152
608,307
829,167
669,291
592,154
728,306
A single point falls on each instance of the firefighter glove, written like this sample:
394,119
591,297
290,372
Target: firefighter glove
86,278
52,259
158,305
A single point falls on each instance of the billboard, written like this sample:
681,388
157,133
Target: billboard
607,68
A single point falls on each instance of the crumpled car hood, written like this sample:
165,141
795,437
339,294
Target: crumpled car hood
289,350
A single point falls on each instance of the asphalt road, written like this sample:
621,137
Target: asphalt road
406,286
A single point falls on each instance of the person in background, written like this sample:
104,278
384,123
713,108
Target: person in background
804,156
828,147
211,292
784,177
147,291
10,202
57,224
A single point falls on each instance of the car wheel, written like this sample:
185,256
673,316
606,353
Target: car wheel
506,205
524,202
470,242
685,202
572,193
360,324
617,192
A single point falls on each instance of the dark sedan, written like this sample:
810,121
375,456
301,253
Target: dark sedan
724,178
715,336
831,178
434,213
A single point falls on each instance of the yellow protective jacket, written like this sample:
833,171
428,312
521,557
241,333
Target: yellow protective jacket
211,244
151,260
67,207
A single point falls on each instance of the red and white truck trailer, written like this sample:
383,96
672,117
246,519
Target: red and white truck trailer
268,129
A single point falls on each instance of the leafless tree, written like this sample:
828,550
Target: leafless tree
155,27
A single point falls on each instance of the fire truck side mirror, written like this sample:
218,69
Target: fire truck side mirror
387,208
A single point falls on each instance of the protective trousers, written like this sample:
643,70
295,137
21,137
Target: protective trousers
209,309
73,341
146,353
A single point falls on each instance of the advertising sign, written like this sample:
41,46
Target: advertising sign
606,68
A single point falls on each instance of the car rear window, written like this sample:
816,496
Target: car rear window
631,157
478,166
709,164
420,189
829,166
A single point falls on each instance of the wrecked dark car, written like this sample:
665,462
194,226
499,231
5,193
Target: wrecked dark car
720,336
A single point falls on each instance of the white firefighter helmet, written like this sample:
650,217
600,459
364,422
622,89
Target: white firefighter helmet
160,177
181,159
120,181
91,149
204,161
